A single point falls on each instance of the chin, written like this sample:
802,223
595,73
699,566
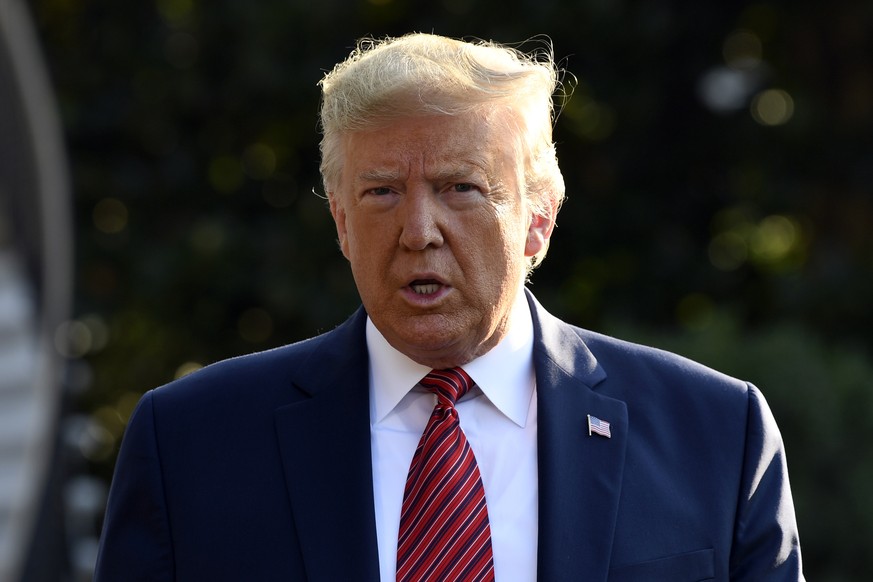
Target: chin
431,348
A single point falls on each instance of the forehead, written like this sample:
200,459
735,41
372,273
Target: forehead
431,144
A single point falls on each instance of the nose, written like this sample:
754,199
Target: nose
420,217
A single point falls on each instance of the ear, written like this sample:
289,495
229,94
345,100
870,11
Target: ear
540,231
339,218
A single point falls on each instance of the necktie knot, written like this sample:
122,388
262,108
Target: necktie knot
448,385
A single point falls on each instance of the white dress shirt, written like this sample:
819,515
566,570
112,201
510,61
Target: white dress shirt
499,419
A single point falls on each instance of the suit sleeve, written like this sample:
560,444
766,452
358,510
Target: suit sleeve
135,544
766,545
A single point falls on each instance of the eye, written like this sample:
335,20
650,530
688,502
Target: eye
379,191
464,187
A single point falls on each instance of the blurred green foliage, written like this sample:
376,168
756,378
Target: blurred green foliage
718,157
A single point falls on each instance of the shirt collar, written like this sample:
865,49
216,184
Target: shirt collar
505,374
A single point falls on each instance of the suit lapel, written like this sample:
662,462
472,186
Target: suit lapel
579,475
325,446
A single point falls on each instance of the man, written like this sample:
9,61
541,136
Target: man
570,455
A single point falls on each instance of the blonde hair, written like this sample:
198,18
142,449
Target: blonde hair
426,74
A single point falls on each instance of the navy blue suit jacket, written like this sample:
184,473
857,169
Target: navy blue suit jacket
258,468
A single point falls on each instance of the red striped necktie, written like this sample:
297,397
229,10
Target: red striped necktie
444,529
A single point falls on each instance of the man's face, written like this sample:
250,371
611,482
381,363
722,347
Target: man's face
431,215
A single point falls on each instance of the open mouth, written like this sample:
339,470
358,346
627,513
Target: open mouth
425,286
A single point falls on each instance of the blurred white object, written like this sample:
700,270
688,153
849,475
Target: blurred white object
35,282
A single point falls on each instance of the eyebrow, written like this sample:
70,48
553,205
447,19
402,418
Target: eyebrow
378,175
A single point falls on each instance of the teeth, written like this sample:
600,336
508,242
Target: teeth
425,288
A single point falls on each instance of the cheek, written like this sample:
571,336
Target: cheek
367,244
499,253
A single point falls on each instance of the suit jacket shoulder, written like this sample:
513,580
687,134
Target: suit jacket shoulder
691,484
663,387
252,468
292,371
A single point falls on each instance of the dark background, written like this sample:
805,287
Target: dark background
718,159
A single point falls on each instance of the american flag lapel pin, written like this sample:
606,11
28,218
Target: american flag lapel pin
597,426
